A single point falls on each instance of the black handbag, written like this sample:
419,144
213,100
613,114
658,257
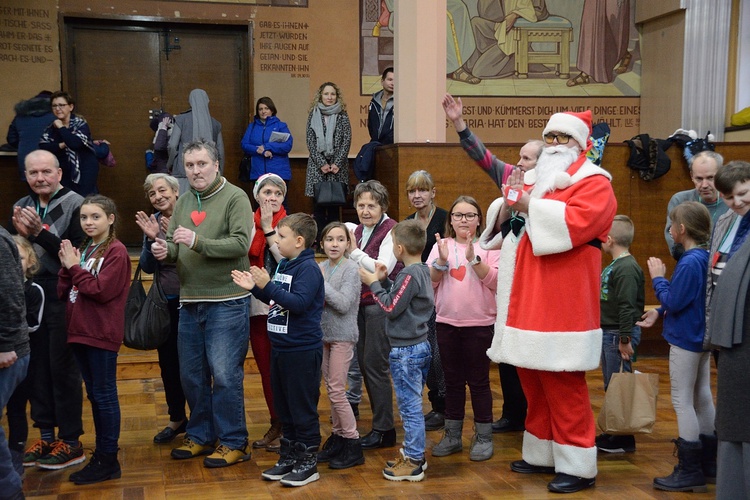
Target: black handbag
245,166
329,193
147,319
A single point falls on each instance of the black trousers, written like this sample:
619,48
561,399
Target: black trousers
295,382
56,387
324,215
169,363
514,400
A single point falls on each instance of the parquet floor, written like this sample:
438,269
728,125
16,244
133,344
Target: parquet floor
149,472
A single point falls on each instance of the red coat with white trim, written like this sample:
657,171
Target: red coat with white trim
548,279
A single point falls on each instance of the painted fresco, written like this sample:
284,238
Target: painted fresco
531,48
273,3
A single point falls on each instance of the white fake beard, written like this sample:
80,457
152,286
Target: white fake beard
553,160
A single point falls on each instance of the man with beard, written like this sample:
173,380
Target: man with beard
514,401
548,299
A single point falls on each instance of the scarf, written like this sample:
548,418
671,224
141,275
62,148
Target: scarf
76,125
728,301
258,245
740,236
324,134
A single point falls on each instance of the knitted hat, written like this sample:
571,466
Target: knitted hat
576,125
266,178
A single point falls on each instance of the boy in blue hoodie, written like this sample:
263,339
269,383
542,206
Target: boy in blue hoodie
296,296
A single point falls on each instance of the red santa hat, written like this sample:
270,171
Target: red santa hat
576,125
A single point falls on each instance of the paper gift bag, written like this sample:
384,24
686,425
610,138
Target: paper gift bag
629,404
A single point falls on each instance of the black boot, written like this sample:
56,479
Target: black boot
708,457
284,464
350,456
379,439
305,466
687,474
101,467
331,448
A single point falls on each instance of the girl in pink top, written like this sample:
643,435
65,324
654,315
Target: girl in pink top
464,278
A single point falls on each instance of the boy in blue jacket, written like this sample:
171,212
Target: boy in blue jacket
296,296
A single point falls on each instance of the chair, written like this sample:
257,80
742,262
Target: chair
554,29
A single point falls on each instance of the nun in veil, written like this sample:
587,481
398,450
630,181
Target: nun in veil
194,124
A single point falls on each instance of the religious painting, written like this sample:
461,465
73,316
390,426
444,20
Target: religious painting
274,3
530,48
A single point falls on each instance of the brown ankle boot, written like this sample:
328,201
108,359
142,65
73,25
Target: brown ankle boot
273,434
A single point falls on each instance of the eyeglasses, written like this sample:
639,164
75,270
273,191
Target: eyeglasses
561,138
457,216
60,105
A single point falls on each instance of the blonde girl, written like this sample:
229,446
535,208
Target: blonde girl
18,428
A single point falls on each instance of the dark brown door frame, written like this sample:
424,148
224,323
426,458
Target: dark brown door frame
65,19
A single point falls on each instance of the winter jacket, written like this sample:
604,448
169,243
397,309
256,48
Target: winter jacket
32,117
259,134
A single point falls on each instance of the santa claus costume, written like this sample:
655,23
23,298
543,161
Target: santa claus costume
548,304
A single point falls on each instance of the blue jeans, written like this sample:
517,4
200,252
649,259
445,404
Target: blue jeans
99,371
611,352
409,367
212,345
10,481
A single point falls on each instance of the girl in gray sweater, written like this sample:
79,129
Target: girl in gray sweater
343,449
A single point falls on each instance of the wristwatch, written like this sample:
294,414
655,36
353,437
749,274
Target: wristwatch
625,339
438,267
476,260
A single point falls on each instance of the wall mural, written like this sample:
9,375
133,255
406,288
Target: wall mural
539,48
273,3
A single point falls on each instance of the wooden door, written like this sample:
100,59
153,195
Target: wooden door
117,72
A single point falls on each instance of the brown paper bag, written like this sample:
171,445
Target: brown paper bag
629,404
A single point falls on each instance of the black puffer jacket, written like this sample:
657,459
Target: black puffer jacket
32,117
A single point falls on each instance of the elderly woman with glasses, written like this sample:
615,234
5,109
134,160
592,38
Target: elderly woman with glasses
68,137
372,242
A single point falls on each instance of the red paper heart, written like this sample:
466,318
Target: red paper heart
509,197
197,217
459,273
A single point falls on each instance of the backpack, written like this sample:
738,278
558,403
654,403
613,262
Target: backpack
364,163
648,156
690,143
599,138
149,156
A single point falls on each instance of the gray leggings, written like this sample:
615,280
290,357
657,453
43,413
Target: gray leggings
690,376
